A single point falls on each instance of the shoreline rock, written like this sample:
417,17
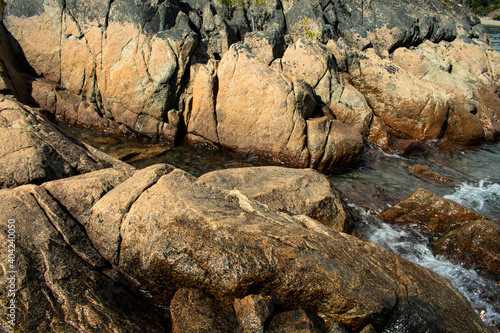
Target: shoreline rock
159,70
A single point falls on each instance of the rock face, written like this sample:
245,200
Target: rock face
260,111
293,191
120,57
228,245
457,232
291,82
33,150
62,284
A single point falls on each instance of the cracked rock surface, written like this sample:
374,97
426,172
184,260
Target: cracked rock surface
296,82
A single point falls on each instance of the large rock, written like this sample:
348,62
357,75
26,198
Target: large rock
260,111
476,244
180,232
128,58
33,150
293,191
62,284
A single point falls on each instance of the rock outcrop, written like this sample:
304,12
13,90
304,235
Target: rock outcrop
291,82
456,231
60,282
166,230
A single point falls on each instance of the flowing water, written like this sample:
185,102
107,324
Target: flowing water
380,181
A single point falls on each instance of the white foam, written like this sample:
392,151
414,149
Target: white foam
483,197
411,245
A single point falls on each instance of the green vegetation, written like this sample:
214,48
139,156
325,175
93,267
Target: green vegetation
482,7
308,32
241,3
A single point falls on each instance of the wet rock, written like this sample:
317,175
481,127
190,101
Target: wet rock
62,283
455,231
430,212
427,174
294,321
290,190
33,150
193,311
180,232
252,312
475,244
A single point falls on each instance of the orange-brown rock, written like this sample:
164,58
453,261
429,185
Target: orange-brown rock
118,64
425,173
194,311
431,213
293,191
253,312
229,245
475,244
62,282
410,107
32,150
174,231
295,321
468,70
260,111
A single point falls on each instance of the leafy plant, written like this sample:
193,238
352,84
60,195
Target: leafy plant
308,32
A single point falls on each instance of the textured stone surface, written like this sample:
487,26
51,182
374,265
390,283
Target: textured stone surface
252,312
290,190
475,244
430,212
181,232
32,150
194,311
62,283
